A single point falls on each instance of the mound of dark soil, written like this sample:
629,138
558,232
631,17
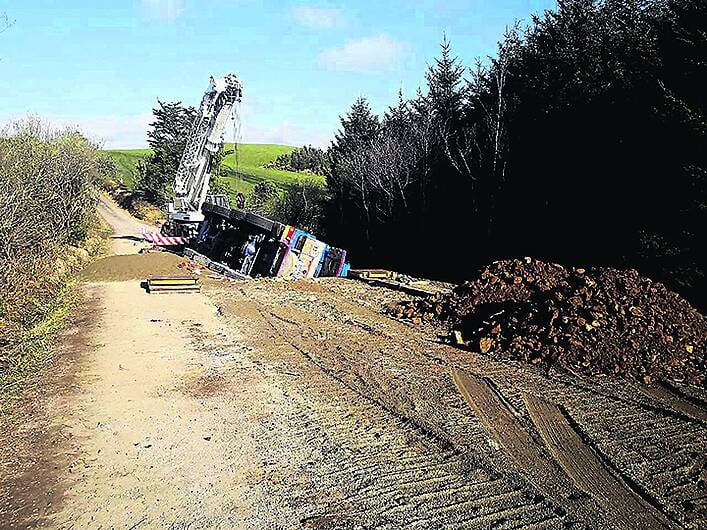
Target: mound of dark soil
596,321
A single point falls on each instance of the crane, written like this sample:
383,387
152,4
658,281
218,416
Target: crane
191,183
230,241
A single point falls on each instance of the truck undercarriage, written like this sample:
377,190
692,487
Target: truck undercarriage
248,244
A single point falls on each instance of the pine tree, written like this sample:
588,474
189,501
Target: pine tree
358,128
167,139
446,87
398,117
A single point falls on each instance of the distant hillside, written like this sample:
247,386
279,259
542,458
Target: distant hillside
244,168
125,160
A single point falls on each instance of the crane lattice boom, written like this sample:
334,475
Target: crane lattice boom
191,184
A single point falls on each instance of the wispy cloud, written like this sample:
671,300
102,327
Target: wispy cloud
130,131
317,17
283,134
110,132
167,10
379,52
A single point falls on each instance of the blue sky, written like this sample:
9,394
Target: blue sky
102,65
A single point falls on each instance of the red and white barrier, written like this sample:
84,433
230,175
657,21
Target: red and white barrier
162,240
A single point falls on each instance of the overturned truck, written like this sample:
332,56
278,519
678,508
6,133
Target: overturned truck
233,242
244,244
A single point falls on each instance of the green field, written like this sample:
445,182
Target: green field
125,160
244,168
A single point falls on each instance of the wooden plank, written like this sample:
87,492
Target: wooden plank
370,274
173,289
173,281
171,277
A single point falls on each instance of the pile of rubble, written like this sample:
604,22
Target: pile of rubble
596,321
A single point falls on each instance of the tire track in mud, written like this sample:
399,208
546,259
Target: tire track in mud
657,450
305,326
408,370
587,471
393,470
500,421
499,417
651,448
674,400
424,492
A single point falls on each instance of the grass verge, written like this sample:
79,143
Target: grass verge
30,353
28,350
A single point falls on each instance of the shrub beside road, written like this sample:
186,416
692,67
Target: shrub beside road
48,188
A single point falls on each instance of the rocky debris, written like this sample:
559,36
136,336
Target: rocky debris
595,321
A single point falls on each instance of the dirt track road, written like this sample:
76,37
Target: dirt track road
126,229
130,443
273,404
